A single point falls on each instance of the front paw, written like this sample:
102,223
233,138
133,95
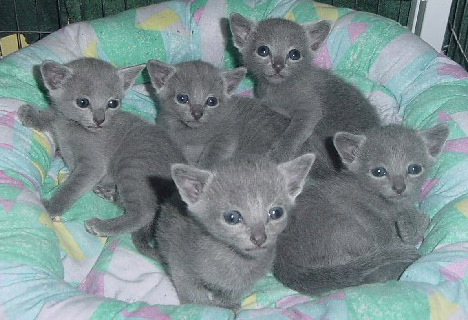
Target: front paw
52,210
97,227
107,192
27,115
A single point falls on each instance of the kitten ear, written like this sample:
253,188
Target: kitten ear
296,172
347,145
54,74
434,138
232,78
190,181
129,74
159,73
240,28
317,33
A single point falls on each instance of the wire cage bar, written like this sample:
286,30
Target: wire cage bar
456,36
26,21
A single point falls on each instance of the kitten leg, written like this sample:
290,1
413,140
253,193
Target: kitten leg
217,150
32,118
138,199
191,290
300,128
411,225
82,179
107,189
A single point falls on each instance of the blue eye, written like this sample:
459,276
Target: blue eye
414,169
113,104
211,101
182,98
294,54
82,102
263,51
379,172
232,217
276,213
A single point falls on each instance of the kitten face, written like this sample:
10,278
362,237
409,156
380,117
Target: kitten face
244,205
88,91
193,92
275,49
392,159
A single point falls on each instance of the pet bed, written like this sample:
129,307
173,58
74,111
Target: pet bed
56,270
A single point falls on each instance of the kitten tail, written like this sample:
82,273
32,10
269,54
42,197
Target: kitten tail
378,266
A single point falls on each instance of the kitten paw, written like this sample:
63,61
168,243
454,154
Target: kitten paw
51,210
27,115
92,226
106,192
98,227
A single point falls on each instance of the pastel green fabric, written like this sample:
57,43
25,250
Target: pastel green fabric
56,270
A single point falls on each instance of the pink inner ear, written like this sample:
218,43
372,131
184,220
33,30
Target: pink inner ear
191,188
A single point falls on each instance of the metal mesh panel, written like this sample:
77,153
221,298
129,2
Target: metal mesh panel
26,21
456,37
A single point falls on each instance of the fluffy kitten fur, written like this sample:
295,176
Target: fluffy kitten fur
193,97
99,142
360,226
214,256
287,81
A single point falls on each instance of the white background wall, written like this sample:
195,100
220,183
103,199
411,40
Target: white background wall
434,23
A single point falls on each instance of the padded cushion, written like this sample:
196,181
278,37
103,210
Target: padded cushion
55,270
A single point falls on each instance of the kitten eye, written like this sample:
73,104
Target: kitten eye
82,102
276,213
414,169
113,103
182,98
263,51
232,217
211,101
294,54
379,172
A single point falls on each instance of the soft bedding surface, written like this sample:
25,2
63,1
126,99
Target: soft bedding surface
56,270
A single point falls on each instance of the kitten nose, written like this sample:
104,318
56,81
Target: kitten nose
197,111
399,188
99,117
98,121
258,238
278,65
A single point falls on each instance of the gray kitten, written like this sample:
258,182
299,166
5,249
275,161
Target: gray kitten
360,226
194,96
279,54
98,141
223,239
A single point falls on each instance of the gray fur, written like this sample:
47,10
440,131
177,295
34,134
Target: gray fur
99,144
314,99
353,228
211,261
195,126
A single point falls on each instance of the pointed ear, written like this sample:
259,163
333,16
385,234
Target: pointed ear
159,73
434,138
232,78
317,33
190,181
241,28
296,172
129,74
347,145
54,74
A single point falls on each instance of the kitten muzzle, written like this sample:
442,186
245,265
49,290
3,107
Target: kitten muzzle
196,111
277,65
398,186
258,238
99,117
